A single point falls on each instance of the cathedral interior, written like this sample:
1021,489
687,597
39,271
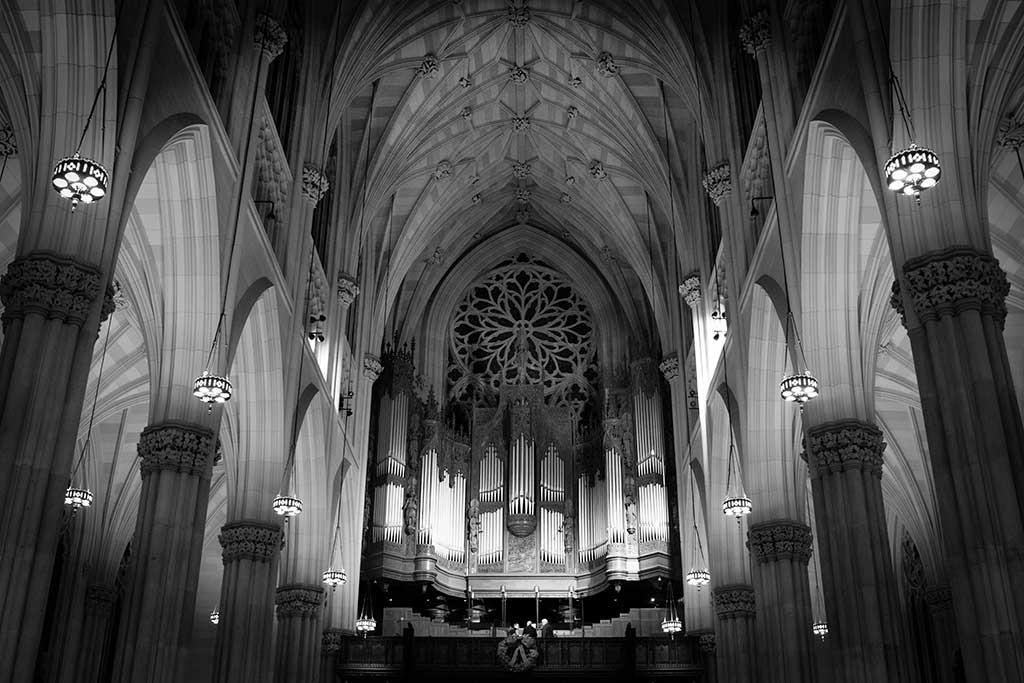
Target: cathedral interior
403,340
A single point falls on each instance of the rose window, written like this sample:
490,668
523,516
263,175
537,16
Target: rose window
522,325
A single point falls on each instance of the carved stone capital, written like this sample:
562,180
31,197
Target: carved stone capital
372,367
270,37
100,599
177,448
314,184
52,286
332,640
781,539
348,289
670,367
733,602
256,541
844,445
690,290
718,182
118,297
949,281
756,33
518,17
706,641
298,600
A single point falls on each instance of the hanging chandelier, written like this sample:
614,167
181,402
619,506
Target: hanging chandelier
820,629
210,388
80,179
736,503
287,506
365,624
335,577
737,507
799,388
215,616
671,624
78,498
698,577
911,170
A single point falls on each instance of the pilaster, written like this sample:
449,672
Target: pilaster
299,612
735,643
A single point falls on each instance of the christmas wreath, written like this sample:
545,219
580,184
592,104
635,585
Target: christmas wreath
518,653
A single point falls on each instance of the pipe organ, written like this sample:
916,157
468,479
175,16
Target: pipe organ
536,468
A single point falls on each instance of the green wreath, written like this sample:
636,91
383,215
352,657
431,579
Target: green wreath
518,653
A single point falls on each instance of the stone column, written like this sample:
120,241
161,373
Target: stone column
706,641
244,649
299,611
781,549
99,607
735,612
176,466
975,442
330,645
940,608
865,624
47,349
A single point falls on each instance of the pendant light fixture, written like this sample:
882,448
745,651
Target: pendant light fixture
698,575
215,616
801,386
78,495
671,624
366,623
77,178
210,387
286,503
820,625
736,504
335,577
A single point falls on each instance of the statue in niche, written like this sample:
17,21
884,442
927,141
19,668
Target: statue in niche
410,509
630,514
568,528
473,528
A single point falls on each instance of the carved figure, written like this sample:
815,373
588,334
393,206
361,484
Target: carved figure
630,514
411,510
473,532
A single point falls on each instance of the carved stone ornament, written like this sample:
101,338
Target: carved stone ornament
100,598
466,112
298,601
575,81
570,180
118,297
372,367
254,541
597,171
436,257
314,184
54,287
332,640
518,74
606,254
522,216
572,111
521,170
1011,131
756,33
429,67
8,145
348,289
718,182
177,448
844,445
670,367
523,195
939,599
690,290
781,539
733,602
606,65
950,281
520,124
565,198
476,199
518,17
443,170
707,643
270,38
465,82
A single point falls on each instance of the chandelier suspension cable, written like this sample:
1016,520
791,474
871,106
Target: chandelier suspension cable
224,388
287,504
335,577
103,81
82,497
